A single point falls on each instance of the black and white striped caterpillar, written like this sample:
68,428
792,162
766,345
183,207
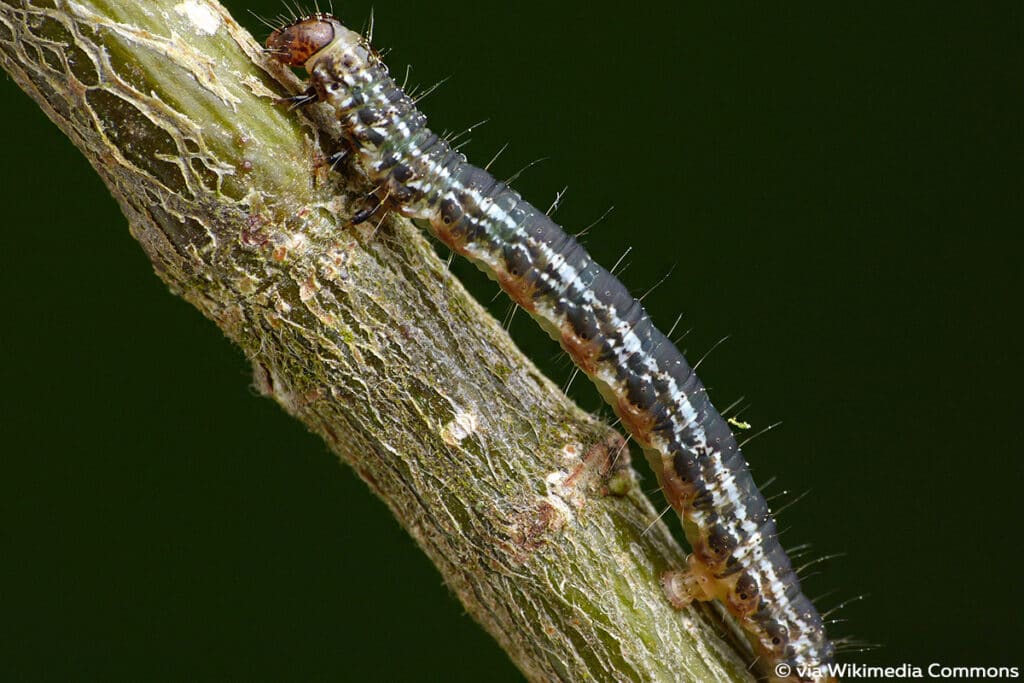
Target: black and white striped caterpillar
737,558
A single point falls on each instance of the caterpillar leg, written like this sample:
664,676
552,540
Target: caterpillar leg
335,159
374,204
683,586
307,96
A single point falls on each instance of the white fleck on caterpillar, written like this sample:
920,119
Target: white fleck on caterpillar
737,558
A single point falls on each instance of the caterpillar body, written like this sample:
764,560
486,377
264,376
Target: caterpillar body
737,558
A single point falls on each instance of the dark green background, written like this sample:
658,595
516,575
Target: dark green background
838,190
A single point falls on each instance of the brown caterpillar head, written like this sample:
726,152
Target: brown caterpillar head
295,43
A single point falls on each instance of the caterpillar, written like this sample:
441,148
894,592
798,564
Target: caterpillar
736,556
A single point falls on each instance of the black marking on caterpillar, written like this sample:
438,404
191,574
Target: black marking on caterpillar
736,558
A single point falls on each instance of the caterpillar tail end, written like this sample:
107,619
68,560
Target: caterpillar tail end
684,586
